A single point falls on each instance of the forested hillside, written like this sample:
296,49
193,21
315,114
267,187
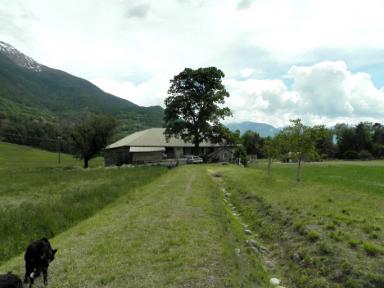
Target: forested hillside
37,103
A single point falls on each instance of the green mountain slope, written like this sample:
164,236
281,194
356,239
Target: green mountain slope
265,130
29,89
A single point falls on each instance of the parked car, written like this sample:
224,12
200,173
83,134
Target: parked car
192,159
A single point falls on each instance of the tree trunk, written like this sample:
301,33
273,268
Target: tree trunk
269,165
197,146
86,162
298,171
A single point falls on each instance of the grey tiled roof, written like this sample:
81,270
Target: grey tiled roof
153,137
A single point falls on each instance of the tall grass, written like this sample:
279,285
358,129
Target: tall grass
41,201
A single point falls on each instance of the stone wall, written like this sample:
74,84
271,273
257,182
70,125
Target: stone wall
117,157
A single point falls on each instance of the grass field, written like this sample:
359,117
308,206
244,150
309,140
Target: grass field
14,156
173,232
324,232
185,227
40,197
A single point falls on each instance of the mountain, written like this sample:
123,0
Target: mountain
263,129
30,91
19,58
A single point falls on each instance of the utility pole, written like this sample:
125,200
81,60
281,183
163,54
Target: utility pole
59,148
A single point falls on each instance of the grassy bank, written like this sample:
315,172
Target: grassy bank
44,201
324,232
173,232
13,156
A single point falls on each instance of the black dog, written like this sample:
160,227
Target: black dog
37,258
10,281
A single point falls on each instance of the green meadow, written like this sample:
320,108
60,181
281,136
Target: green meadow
326,231
152,227
39,197
196,225
14,156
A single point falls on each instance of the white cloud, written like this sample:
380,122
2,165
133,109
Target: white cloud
322,88
246,72
175,33
133,48
323,93
326,92
290,28
329,88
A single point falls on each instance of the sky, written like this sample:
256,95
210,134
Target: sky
321,61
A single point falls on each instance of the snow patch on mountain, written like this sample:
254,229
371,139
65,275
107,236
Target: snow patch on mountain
19,58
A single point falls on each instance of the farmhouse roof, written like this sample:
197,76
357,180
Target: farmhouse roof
153,137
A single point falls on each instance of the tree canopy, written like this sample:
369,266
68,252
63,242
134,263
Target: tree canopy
272,149
253,143
91,136
300,140
194,106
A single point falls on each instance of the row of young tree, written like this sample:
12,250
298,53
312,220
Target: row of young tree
364,141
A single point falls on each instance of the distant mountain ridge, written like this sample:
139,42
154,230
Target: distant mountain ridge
30,89
264,130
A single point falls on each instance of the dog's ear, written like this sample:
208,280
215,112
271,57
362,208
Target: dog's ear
54,251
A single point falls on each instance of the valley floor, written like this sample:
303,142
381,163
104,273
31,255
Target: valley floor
173,232
200,225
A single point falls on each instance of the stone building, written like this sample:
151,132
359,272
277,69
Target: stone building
150,146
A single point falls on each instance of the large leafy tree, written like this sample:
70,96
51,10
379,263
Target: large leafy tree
378,133
253,143
364,132
324,142
346,140
194,107
91,136
378,140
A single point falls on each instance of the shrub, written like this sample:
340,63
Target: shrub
378,150
241,153
324,156
365,155
350,155
312,157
